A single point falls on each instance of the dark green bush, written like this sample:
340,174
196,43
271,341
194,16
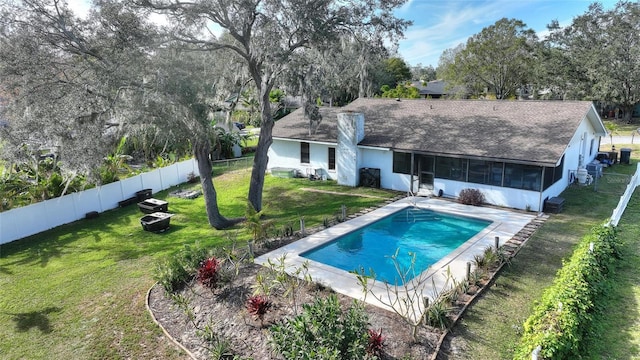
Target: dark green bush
323,331
175,270
563,317
171,273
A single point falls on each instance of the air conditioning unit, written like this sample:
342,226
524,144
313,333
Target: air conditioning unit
370,177
595,170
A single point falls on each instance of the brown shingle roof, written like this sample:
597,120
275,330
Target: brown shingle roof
523,131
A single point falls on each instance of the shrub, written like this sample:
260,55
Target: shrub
192,178
258,306
176,269
471,197
208,273
486,260
274,276
254,222
436,314
192,256
376,343
563,317
323,331
170,273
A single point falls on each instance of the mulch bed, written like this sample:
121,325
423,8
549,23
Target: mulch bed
222,314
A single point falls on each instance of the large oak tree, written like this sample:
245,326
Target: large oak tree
80,84
266,34
599,55
62,77
499,58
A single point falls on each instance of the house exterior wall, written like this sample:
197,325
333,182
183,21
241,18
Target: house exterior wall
583,147
350,133
584,143
350,158
383,159
286,154
496,195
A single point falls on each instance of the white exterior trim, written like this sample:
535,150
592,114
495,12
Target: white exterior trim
583,145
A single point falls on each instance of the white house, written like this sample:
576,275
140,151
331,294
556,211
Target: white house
518,153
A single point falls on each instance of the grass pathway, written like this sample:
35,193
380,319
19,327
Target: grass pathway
616,332
493,326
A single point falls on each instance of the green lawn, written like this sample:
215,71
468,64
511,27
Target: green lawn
77,291
493,326
616,333
625,129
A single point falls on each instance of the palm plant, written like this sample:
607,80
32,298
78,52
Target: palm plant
114,163
255,224
612,127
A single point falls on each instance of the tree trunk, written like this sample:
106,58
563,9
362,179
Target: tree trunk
264,142
627,113
201,150
364,75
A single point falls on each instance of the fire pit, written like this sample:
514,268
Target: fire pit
156,222
153,205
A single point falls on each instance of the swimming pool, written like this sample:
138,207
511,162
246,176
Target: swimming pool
428,234
453,266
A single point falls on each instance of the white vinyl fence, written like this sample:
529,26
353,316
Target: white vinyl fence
28,220
624,199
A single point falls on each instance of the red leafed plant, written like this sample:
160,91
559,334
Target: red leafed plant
208,272
258,306
376,343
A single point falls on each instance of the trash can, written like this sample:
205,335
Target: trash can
625,155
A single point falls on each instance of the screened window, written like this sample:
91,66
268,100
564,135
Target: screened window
486,172
332,158
553,174
525,177
304,152
451,168
401,163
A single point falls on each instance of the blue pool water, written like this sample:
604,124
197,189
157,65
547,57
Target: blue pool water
429,234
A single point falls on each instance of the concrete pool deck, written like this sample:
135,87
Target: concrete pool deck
505,224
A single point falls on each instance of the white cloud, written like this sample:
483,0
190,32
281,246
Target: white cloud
79,7
441,25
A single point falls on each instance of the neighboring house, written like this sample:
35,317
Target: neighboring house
437,89
518,153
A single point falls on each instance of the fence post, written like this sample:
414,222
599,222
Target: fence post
497,243
302,230
536,352
344,212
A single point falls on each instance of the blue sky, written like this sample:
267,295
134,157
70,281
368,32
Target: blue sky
443,24
440,24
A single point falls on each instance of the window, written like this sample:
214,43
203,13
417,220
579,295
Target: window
332,158
401,163
485,172
451,168
558,170
525,177
553,174
304,152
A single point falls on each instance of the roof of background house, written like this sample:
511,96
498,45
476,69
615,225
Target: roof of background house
435,88
535,132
